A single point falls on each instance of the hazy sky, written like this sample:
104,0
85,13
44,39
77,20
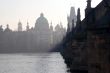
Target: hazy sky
11,11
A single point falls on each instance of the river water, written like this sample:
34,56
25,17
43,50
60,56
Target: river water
32,63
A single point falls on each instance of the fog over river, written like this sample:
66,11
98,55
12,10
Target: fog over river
32,63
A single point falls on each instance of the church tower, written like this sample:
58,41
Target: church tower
19,26
27,27
71,18
51,27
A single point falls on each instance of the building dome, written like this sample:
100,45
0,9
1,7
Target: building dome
41,23
43,33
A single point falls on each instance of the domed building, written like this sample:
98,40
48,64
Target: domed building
43,33
42,24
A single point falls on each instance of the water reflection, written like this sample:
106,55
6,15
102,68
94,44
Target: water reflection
32,63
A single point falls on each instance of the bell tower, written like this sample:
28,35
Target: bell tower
27,27
19,26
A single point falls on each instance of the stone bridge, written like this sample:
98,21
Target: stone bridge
86,48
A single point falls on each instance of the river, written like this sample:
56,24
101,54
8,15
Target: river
32,63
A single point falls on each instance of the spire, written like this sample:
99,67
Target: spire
51,27
88,4
71,18
72,15
88,8
19,26
78,16
27,27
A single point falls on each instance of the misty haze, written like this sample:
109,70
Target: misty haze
54,36
41,38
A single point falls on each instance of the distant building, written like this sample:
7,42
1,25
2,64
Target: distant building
71,18
19,26
27,27
7,28
42,24
43,33
35,39
1,28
